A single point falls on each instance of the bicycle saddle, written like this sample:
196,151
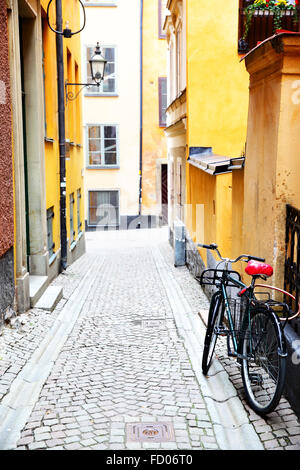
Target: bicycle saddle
256,268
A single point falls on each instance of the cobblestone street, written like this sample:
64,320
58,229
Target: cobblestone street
116,365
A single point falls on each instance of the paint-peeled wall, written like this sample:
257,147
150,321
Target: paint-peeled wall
6,170
154,142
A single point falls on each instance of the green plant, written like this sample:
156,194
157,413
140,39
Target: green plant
276,7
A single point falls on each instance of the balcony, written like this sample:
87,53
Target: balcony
262,25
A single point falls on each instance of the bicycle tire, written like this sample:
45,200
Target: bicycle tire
264,361
214,320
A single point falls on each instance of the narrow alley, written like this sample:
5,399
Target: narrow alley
116,365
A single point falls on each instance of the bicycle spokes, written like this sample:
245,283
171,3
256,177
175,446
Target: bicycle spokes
262,363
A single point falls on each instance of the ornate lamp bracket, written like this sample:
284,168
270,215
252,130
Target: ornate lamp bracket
70,95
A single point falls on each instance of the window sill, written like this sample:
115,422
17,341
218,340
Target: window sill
48,139
103,167
74,242
101,95
52,258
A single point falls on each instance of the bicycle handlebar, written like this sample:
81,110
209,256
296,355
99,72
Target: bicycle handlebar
213,246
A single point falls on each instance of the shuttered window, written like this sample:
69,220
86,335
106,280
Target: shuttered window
162,90
162,4
50,244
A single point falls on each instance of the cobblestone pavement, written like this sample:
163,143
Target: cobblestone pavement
124,362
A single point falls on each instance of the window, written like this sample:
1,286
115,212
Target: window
162,4
178,60
162,90
50,244
102,145
79,224
104,208
72,232
108,85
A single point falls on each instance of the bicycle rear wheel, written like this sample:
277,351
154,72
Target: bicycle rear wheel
215,318
264,361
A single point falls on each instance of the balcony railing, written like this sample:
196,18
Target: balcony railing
262,25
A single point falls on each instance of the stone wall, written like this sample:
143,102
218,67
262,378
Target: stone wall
6,176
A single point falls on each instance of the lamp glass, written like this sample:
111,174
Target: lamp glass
97,64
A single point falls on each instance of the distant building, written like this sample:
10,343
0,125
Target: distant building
124,145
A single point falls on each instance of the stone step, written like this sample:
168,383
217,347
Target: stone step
37,286
50,298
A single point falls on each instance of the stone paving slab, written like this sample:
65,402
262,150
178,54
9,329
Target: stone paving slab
132,356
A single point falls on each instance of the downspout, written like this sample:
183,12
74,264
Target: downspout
62,134
141,110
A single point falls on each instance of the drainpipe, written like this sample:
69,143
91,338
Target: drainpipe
141,110
62,134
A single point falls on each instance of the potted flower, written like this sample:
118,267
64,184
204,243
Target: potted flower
276,8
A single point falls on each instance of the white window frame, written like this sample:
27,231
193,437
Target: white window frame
71,208
79,222
116,166
50,217
101,92
117,190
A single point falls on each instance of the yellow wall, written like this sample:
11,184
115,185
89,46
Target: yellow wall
217,104
272,163
73,114
214,192
154,66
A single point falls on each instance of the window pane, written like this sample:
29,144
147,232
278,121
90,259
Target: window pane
94,132
95,158
110,145
109,53
110,158
109,85
109,69
94,145
93,217
114,198
92,199
110,132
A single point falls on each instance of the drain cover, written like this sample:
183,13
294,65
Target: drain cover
153,432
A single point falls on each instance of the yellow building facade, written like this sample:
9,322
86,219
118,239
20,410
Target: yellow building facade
73,130
33,77
154,148
207,118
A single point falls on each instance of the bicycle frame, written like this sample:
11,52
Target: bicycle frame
250,296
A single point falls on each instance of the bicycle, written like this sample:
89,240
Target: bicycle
253,329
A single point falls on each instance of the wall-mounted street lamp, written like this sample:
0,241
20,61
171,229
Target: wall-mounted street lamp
97,66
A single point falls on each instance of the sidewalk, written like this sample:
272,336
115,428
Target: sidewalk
117,364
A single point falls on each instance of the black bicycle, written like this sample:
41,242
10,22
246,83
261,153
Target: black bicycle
253,329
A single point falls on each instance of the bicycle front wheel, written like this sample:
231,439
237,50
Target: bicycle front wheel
264,361
214,321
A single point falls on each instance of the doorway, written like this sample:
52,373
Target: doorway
164,194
